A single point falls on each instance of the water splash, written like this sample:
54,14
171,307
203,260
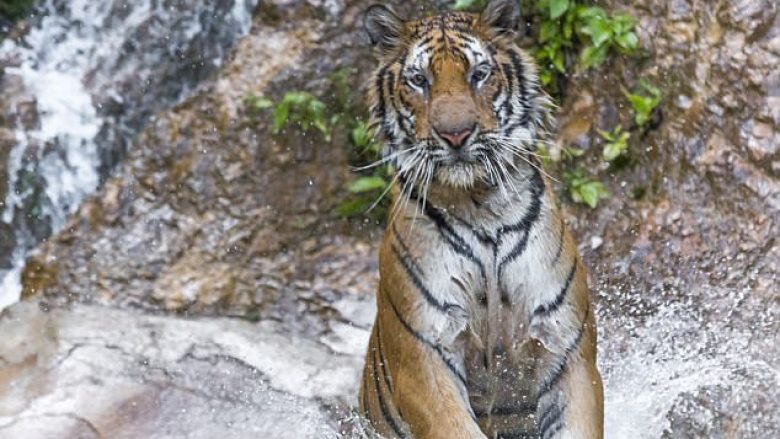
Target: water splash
93,74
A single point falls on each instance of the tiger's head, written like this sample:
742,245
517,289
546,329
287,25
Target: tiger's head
456,102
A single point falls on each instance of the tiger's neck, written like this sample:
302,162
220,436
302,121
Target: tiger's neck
524,197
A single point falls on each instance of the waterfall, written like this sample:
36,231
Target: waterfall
78,85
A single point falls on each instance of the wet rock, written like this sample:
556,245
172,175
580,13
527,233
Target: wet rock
79,80
92,372
686,275
204,187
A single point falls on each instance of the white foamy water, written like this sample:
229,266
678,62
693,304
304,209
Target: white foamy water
682,349
78,54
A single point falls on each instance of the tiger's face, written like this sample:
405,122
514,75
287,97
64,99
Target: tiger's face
456,101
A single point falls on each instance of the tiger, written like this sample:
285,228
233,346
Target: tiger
484,327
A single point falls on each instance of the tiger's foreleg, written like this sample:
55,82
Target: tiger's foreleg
409,389
571,394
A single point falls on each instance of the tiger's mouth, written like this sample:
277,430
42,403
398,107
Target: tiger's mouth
481,161
461,170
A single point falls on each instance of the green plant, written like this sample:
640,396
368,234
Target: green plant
604,33
566,26
14,9
584,189
298,107
644,101
308,113
616,143
367,190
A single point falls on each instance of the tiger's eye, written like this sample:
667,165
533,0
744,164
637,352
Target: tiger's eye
481,74
419,80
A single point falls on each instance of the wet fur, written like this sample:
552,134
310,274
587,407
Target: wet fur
484,326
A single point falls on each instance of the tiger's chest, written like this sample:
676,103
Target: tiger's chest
497,275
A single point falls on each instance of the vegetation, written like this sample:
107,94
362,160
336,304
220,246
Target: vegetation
584,189
310,116
616,143
12,10
643,102
298,107
367,191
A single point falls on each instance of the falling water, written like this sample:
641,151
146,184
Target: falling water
79,85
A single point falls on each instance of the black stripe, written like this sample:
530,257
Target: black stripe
389,418
555,429
481,234
549,419
382,361
379,85
525,223
545,310
560,367
537,189
509,74
425,341
508,410
522,122
451,237
381,107
412,272
519,71
446,231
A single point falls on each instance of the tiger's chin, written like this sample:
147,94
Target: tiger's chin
461,175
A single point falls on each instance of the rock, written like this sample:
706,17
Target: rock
78,81
92,372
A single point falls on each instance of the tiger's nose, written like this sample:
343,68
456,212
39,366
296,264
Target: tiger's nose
456,139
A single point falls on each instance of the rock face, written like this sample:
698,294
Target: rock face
92,373
78,81
212,216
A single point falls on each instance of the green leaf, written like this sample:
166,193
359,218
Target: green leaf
557,8
362,136
623,23
599,31
627,41
366,184
296,97
643,106
650,88
323,127
606,135
590,193
353,207
572,152
593,56
547,31
559,61
260,103
612,150
589,12
281,114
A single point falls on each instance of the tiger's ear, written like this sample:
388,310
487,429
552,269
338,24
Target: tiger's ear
502,16
383,27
